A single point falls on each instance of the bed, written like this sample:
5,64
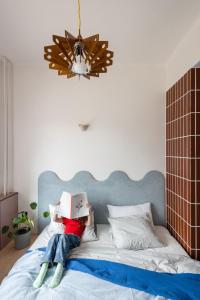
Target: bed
90,267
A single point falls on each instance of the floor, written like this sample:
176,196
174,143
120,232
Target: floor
9,255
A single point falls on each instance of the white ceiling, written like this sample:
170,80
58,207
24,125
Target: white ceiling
139,31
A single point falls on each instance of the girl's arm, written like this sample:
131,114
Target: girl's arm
89,220
57,218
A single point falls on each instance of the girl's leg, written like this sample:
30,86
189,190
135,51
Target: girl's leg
47,259
51,249
40,278
57,276
65,244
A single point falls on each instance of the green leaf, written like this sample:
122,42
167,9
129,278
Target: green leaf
5,229
46,214
33,205
23,219
17,220
24,216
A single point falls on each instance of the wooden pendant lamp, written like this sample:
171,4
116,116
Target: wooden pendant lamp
80,56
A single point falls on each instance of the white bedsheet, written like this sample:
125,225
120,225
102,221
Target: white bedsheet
104,243
80,286
156,259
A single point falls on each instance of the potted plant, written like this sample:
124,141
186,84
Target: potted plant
22,227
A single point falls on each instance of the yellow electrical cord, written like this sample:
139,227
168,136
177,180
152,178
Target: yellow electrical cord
79,17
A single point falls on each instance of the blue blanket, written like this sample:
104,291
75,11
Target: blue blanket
171,286
183,286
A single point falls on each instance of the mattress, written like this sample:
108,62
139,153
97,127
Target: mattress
104,249
171,258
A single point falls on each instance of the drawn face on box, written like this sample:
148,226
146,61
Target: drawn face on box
79,205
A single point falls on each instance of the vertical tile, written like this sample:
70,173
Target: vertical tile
178,89
194,126
198,237
192,195
188,238
185,234
173,94
188,217
192,147
198,78
197,123
197,209
197,146
193,173
167,98
192,215
183,207
182,86
192,237
197,93
189,104
189,80
198,192
192,79
185,83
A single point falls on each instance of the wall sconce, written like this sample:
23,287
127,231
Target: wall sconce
84,127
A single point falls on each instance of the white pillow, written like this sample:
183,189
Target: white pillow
104,233
134,233
56,227
143,210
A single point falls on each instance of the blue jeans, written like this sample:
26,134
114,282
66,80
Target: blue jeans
59,247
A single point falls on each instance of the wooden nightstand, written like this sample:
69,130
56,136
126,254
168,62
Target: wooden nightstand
9,255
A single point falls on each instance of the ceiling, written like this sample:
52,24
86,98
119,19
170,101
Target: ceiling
139,31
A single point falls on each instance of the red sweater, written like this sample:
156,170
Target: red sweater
73,227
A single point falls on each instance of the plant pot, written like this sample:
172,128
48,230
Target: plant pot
22,240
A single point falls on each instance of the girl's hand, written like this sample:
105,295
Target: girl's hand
88,205
58,219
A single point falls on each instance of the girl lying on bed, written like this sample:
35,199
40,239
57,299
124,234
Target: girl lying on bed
59,247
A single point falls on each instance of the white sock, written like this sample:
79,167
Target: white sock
40,278
57,276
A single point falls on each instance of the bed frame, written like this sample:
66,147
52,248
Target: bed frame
117,189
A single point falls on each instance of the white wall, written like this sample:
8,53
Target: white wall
6,125
125,108
185,56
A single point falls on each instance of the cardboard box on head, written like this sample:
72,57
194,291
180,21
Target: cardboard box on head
73,206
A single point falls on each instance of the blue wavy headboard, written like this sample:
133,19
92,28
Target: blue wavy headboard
118,189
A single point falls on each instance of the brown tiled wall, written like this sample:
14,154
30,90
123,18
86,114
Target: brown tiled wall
183,161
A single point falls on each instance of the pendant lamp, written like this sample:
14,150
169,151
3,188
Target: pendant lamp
77,56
